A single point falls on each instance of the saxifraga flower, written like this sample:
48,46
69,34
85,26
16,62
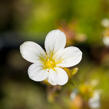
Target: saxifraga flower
50,65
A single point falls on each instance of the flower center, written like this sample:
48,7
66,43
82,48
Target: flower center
50,63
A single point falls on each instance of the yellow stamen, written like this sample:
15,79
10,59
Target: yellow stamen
49,62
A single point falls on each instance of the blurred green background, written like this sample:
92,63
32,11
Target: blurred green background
24,20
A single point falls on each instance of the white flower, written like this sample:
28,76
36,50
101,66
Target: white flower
106,40
74,94
49,65
94,102
105,22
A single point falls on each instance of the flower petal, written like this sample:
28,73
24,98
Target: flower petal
52,77
54,41
106,40
36,72
57,77
94,102
62,77
31,51
70,56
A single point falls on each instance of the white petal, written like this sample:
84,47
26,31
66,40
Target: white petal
36,72
94,102
62,77
57,77
54,41
31,51
52,77
105,22
74,94
106,40
70,56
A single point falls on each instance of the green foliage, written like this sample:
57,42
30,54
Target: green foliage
44,16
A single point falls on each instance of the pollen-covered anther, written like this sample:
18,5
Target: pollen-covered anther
50,64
